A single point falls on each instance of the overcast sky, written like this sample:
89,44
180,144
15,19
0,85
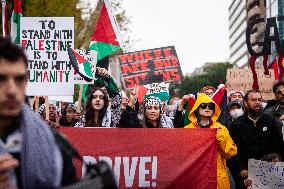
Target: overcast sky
198,29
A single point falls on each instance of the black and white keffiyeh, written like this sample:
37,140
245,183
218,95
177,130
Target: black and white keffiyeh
165,121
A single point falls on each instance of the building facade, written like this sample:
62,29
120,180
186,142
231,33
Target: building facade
275,8
241,13
256,9
237,33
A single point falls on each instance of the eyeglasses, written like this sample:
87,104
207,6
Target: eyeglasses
211,106
255,99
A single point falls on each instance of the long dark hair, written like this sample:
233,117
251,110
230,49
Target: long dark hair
90,112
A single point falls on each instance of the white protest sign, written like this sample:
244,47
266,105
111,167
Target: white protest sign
90,56
266,175
61,98
46,41
160,90
157,88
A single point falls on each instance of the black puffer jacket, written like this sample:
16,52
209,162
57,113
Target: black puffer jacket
256,140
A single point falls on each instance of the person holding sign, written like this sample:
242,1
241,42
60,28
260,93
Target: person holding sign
204,114
272,157
256,134
99,112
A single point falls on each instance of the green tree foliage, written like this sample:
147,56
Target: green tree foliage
71,8
55,8
215,74
90,22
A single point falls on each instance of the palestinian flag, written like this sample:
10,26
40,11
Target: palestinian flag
15,22
189,106
105,39
159,90
81,65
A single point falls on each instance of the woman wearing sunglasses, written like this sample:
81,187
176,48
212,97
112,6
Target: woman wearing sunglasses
204,114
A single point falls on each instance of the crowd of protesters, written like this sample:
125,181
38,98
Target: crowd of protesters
249,127
246,126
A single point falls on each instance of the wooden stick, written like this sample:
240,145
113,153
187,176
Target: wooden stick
36,103
31,102
60,107
46,108
78,109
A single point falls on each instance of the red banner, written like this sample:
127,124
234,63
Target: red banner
152,158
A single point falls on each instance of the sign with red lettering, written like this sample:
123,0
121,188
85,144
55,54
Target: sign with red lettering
152,158
46,41
138,67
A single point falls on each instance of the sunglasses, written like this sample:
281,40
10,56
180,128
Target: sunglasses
211,106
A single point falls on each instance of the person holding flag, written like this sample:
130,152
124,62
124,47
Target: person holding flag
204,114
103,108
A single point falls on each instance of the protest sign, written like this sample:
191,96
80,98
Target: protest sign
46,41
61,98
152,158
242,79
266,175
160,90
137,66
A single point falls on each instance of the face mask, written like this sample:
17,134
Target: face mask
236,113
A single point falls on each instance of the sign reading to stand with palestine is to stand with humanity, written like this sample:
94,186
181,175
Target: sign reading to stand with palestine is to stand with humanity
46,41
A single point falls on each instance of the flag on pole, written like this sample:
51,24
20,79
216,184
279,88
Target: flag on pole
82,66
15,22
275,67
218,96
106,39
5,18
189,106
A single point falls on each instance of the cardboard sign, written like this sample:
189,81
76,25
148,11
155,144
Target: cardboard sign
152,158
90,56
266,175
242,79
137,66
46,41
